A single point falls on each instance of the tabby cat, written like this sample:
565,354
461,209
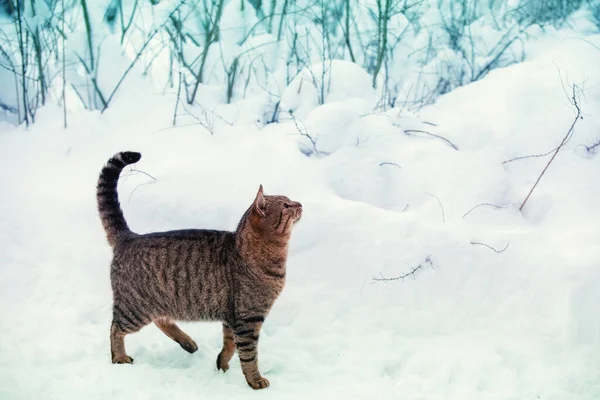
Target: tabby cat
197,274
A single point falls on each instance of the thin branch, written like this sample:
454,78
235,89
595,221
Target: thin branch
143,173
137,56
93,80
441,207
592,148
530,156
490,247
389,163
490,64
137,187
565,139
64,69
482,205
7,108
411,131
556,148
177,100
143,184
412,273
302,131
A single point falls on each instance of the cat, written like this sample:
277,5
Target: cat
197,274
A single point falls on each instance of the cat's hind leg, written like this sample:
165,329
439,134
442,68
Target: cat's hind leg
228,349
174,332
123,323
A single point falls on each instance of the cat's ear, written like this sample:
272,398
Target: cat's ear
259,203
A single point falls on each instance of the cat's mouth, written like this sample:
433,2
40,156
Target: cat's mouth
296,210
298,213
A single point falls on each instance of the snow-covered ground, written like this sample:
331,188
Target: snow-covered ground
471,323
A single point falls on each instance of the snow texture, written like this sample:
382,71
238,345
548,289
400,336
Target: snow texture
380,200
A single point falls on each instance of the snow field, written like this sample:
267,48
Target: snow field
475,324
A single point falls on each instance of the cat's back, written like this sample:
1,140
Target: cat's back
177,247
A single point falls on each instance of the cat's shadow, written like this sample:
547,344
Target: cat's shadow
171,358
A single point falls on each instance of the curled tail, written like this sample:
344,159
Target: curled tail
108,200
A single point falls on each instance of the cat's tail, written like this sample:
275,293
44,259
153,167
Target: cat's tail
108,200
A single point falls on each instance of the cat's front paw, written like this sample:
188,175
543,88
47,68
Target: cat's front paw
190,346
260,383
221,363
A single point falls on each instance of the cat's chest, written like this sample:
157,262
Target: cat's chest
261,289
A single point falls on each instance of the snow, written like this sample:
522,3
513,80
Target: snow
470,324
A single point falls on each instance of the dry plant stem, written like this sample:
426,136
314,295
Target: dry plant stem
441,207
137,56
37,46
347,32
591,148
142,184
389,163
530,156
565,139
482,205
125,27
406,275
274,117
490,247
93,80
283,15
410,131
18,22
383,15
177,100
88,30
64,68
303,132
211,37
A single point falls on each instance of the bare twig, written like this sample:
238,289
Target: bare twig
137,187
275,115
592,147
490,247
482,205
412,131
565,139
554,149
140,185
412,273
302,131
177,100
441,207
530,156
389,163
383,16
7,108
143,173
64,70
490,64
137,56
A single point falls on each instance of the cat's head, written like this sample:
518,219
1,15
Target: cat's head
274,215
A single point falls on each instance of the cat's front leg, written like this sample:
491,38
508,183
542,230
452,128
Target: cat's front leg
228,349
247,332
